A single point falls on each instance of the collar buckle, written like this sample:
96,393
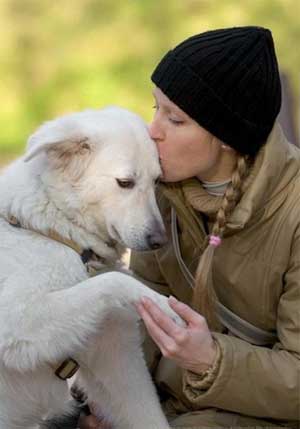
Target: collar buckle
67,369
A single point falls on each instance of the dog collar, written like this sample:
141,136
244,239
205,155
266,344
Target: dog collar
87,255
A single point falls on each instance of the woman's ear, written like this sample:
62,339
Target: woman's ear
226,147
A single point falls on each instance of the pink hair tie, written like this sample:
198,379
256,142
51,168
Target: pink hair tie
215,240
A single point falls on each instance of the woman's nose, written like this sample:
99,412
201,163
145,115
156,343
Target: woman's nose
155,131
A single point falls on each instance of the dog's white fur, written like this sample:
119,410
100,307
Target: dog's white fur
49,308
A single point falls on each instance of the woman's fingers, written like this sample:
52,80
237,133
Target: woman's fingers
89,422
185,312
150,315
161,318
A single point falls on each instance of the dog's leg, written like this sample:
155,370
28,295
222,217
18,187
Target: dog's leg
127,396
55,325
64,323
69,420
49,327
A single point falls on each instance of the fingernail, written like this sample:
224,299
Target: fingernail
172,298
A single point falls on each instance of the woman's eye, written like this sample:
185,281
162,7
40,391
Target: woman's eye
125,183
176,121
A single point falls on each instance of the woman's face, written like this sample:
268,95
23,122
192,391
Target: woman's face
185,148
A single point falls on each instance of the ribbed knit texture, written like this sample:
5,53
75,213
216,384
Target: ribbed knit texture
216,189
228,81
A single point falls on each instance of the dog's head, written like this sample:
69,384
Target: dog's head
100,168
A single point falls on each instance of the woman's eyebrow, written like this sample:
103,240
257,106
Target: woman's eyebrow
174,109
169,107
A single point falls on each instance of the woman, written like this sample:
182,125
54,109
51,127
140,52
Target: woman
230,196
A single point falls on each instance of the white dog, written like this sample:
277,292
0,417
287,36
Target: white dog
86,185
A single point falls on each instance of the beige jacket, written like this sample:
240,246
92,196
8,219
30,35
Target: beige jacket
256,274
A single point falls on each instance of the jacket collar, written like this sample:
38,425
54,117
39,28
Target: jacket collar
276,165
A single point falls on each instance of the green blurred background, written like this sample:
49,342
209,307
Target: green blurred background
63,56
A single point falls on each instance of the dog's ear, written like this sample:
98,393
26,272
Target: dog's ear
65,143
63,150
69,157
62,137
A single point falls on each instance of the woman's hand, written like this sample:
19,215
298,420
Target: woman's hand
192,347
91,422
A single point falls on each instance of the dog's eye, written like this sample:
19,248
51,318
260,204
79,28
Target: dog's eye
125,183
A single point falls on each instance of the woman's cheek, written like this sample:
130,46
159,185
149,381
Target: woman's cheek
166,166
162,151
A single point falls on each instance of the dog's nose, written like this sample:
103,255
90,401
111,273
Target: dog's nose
156,239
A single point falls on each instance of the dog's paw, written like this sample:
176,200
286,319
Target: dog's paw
163,303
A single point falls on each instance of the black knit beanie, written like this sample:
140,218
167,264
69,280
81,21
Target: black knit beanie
228,81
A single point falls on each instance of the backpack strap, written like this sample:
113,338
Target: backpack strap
235,324
243,329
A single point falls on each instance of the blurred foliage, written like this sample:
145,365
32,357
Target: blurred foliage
58,57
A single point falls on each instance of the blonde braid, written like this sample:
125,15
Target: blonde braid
204,297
